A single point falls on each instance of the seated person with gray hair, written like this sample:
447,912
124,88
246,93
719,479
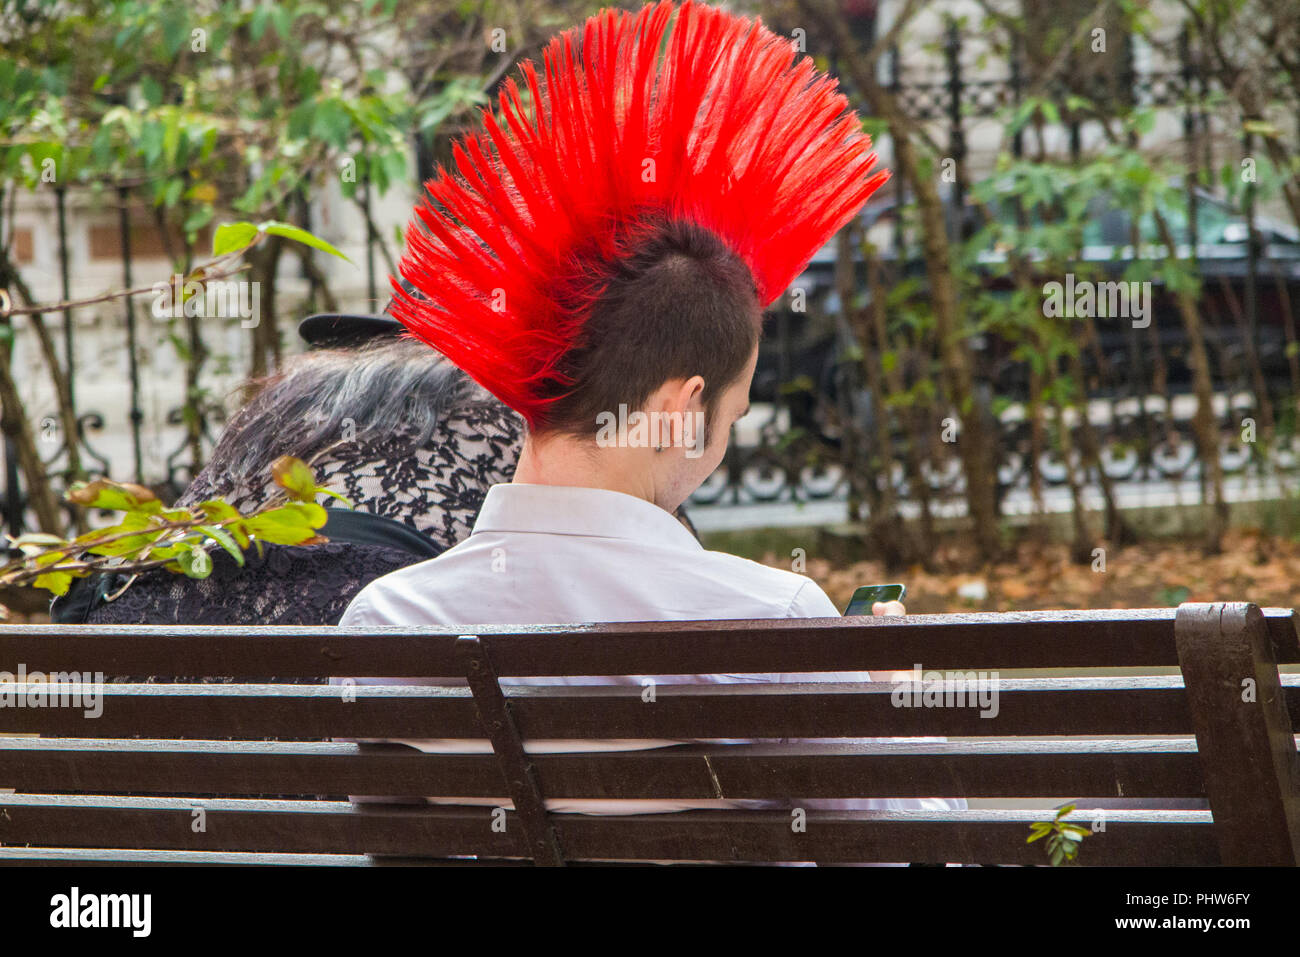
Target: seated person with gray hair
399,431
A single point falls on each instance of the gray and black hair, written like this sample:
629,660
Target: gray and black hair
386,389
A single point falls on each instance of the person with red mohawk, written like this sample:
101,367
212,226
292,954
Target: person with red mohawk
599,257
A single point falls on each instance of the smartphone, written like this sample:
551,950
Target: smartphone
868,595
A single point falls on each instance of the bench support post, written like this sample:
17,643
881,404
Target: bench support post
516,768
1243,732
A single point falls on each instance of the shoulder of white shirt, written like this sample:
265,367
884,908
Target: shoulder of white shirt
806,598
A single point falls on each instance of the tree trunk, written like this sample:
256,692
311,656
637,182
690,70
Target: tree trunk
854,446
887,527
15,425
265,259
1207,433
59,377
976,444
1081,545
1118,531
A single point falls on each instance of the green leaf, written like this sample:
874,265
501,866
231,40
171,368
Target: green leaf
231,237
217,510
131,522
295,477
33,543
321,490
225,540
197,220
168,551
152,91
176,32
195,562
117,496
332,122
292,524
273,531
151,143
1144,121
394,164
272,228
127,545
283,18
300,120
309,513
1023,114
257,26
56,582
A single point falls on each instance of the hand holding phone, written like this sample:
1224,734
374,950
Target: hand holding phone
867,595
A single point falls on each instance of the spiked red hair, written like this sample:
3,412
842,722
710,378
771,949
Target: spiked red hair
721,125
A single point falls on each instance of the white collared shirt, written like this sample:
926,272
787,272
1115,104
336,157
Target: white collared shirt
548,554
542,554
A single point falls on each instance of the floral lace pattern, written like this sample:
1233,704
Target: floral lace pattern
438,489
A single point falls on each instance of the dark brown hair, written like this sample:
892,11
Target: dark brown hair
680,304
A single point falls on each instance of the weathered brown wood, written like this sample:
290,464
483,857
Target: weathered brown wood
166,740
259,825
1151,705
1106,638
1244,732
985,836
992,836
495,716
1102,705
1091,768
1283,626
44,765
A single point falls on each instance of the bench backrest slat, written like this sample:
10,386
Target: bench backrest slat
995,836
1055,639
1105,706
1014,768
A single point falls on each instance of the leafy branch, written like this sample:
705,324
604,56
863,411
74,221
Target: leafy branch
179,540
1063,844
229,243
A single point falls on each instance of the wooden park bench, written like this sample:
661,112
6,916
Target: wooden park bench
136,784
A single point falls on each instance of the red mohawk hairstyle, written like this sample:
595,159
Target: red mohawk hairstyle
707,119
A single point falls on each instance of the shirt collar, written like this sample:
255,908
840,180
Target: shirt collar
591,512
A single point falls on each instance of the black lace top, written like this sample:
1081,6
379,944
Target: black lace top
438,490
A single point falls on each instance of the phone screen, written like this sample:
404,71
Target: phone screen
868,595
